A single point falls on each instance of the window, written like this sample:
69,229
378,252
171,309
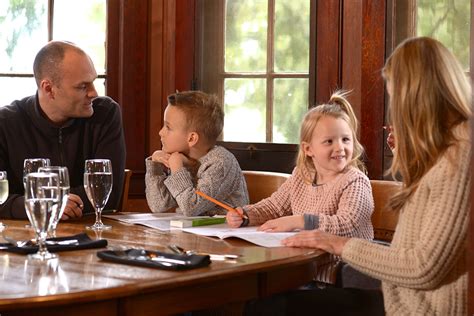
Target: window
27,25
449,21
446,20
255,55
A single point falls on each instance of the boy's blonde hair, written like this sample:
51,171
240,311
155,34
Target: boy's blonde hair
204,115
337,107
430,95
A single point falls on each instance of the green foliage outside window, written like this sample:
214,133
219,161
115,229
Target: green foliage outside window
449,22
246,30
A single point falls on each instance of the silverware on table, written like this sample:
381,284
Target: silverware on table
217,257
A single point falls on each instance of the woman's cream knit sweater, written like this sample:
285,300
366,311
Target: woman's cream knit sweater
424,270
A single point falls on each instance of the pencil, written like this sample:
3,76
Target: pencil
223,205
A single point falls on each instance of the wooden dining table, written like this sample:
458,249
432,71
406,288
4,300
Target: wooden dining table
80,283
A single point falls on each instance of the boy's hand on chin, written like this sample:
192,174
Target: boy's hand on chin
161,157
177,161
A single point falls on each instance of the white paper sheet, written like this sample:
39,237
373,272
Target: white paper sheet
250,234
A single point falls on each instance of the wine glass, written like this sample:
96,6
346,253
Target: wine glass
41,204
98,185
64,188
3,190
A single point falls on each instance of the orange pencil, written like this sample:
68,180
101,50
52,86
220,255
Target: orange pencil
225,206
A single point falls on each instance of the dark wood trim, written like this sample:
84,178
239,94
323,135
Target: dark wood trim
112,48
185,41
263,156
363,55
328,49
127,80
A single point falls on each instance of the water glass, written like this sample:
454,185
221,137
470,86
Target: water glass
41,204
3,189
98,185
32,165
64,188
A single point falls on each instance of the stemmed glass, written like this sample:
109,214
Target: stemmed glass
3,190
64,188
32,165
41,204
98,185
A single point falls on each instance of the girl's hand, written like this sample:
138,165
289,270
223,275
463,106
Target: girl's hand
233,219
284,224
161,157
317,239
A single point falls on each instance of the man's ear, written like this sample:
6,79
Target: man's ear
306,149
47,87
193,138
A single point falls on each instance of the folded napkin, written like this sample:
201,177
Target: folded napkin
155,259
83,242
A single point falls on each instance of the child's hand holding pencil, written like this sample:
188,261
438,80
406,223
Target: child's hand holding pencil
235,216
235,219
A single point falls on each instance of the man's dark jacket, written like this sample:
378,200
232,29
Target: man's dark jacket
26,133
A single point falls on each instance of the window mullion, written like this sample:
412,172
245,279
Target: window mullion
50,19
221,52
270,69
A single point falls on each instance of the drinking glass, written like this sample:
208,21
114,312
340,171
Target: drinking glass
98,185
32,165
3,189
41,203
64,188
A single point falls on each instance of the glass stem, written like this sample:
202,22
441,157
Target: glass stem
97,216
41,245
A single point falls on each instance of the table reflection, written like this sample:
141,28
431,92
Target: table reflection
45,278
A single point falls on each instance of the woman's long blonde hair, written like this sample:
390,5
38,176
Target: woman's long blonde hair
337,107
429,96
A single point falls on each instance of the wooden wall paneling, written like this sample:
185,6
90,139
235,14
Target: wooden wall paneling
112,49
185,40
162,65
328,49
127,83
363,55
162,58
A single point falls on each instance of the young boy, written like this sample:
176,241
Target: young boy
190,160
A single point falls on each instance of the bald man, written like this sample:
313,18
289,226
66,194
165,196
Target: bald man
66,122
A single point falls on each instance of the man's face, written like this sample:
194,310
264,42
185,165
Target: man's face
72,96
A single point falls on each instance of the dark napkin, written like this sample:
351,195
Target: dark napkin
84,242
155,259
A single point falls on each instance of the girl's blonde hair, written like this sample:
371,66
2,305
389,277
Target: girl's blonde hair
338,107
429,97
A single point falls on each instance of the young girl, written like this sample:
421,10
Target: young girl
424,270
327,190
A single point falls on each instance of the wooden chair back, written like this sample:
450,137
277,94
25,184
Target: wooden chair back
123,205
384,221
261,184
